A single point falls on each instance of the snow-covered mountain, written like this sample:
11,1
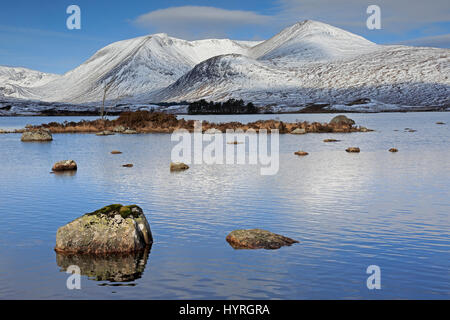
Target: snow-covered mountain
134,67
395,75
307,62
15,80
311,41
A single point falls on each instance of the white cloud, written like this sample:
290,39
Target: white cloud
199,21
396,15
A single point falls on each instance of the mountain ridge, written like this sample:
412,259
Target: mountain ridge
309,61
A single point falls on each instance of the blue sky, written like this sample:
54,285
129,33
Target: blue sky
33,34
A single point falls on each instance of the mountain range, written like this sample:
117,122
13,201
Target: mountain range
308,62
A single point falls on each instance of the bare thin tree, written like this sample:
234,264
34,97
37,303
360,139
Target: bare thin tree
105,91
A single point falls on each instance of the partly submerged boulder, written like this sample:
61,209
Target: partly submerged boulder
116,152
342,121
37,135
178,166
112,229
393,150
65,165
258,239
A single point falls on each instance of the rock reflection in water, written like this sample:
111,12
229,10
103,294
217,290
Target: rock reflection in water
59,174
111,267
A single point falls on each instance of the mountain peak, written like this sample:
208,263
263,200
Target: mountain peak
311,40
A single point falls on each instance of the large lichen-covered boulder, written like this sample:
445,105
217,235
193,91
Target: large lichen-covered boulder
342,121
112,229
257,239
36,135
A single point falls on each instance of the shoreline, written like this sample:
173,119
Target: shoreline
148,122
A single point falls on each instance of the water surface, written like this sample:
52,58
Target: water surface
348,211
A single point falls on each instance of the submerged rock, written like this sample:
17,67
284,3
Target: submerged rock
112,229
178,166
301,153
128,165
298,131
36,135
393,150
116,152
65,165
342,120
258,239
353,149
440,122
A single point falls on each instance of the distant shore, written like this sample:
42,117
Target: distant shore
157,122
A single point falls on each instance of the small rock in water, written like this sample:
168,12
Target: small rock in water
178,166
128,165
393,150
301,153
353,149
440,122
331,140
105,133
116,152
258,239
112,229
298,131
234,142
65,165
36,136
